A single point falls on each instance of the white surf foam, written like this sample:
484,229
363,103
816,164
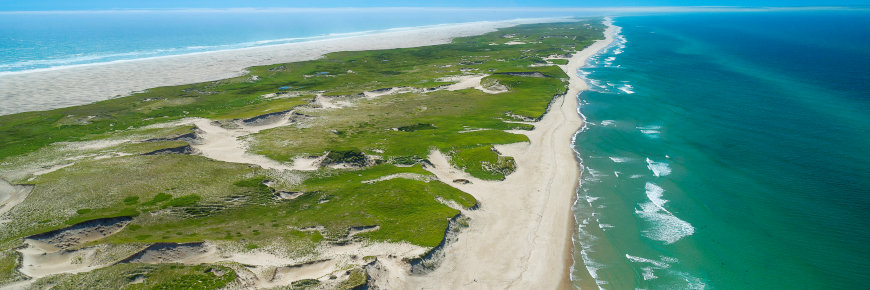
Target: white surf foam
620,159
626,88
648,273
608,62
650,267
665,226
655,193
649,270
595,173
659,264
607,122
658,169
693,283
652,131
605,226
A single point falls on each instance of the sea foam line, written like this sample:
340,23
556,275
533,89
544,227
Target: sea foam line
658,169
590,264
665,226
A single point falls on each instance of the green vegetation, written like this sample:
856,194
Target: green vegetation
357,280
187,198
141,276
304,284
167,181
131,200
183,201
416,127
351,156
160,197
8,265
483,162
405,209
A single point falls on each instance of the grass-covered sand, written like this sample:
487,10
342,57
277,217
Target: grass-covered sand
295,174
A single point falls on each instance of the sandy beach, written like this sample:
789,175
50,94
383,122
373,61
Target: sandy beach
519,236
78,85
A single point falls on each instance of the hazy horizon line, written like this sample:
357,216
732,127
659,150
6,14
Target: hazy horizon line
507,9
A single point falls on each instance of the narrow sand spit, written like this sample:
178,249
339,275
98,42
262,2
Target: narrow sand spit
520,236
77,85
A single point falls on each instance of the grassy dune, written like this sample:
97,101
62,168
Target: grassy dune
189,198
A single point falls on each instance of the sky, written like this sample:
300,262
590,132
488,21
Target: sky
44,5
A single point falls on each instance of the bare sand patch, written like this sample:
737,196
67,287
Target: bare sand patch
11,195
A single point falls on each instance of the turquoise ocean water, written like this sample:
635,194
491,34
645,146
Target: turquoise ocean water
723,150
728,151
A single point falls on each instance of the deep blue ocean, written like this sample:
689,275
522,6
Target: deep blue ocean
730,151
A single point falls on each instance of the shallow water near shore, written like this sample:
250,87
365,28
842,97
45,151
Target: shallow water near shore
728,151
45,40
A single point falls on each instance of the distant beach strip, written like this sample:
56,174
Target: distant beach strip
46,89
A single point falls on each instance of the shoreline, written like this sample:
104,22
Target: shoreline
280,42
587,281
522,235
48,89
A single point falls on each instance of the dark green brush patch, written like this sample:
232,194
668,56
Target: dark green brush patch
100,213
350,156
416,127
131,200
